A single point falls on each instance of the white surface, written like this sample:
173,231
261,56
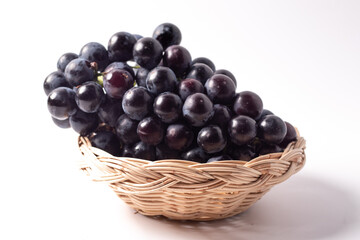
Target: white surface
301,57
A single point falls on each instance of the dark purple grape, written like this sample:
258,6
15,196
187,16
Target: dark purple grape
110,110
190,86
269,148
249,104
167,34
121,46
206,61
117,82
220,89
142,150
161,79
61,103
178,59
95,52
79,71
219,158
137,36
89,97
272,129
126,130
164,152
137,103
242,129
290,136
141,76
106,141
264,113
221,116
197,109
61,123
127,151
201,72
196,155
147,52
211,139
120,65
227,73
244,152
179,137
64,60
167,106
55,80
84,123
150,130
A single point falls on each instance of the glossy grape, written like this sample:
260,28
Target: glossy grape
106,141
290,136
64,60
178,59
142,150
167,34
263,114
110,110
221,116
190,86
211,139
89,97
244,152
95,52
84,123
150,130
147,52
179,137
201,72
79,71
54,80
219,158
226,73
249,104
242,129
197,109
137,103
220,89
272,129
168,107
61,103
206,61
120,47
117,82
161,79
141,76
196,155
126,129
164,152
120,65
61,123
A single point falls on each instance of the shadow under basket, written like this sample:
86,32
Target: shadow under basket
185,190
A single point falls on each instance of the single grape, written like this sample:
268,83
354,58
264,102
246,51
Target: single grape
117,82
54,80
221,116
264,113
137,103
142,150
197,109
220,89
150,130
95,52
120,65
61,103
204,60
219,158
126,129
61,123
272,129
89,97
84,123
110,110
244,152
178,137
290,136
167,106
178,59
190,86
167,34
164,152
141,76
227,73
147,52
196,155
121,46
127,151
64,60
249,104
106,141
161,79
201,72
211,139
79,71
242,129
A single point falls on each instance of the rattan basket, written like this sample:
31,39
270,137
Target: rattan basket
185,190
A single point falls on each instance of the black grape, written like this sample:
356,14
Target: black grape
290,136
249,104
110,110
64,60
161,79
150,130
226,73
178,59
190,86
89,97
117,82
196,155
242,129
211,139
79,71
54,80
220,89
179,137
147,52
167,34
137,103
272,129
106,141
95,52
197,109
206,61
167,106
84,123
201,72
142,150
221,116
121,46
61,103
126,129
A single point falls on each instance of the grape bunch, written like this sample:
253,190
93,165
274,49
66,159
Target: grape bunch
145,97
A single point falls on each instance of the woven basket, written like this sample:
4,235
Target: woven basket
185,190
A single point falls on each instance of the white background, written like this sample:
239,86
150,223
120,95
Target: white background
301,57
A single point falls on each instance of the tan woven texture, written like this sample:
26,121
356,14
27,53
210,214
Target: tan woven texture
187,190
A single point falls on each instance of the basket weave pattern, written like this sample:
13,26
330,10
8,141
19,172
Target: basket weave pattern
187,190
